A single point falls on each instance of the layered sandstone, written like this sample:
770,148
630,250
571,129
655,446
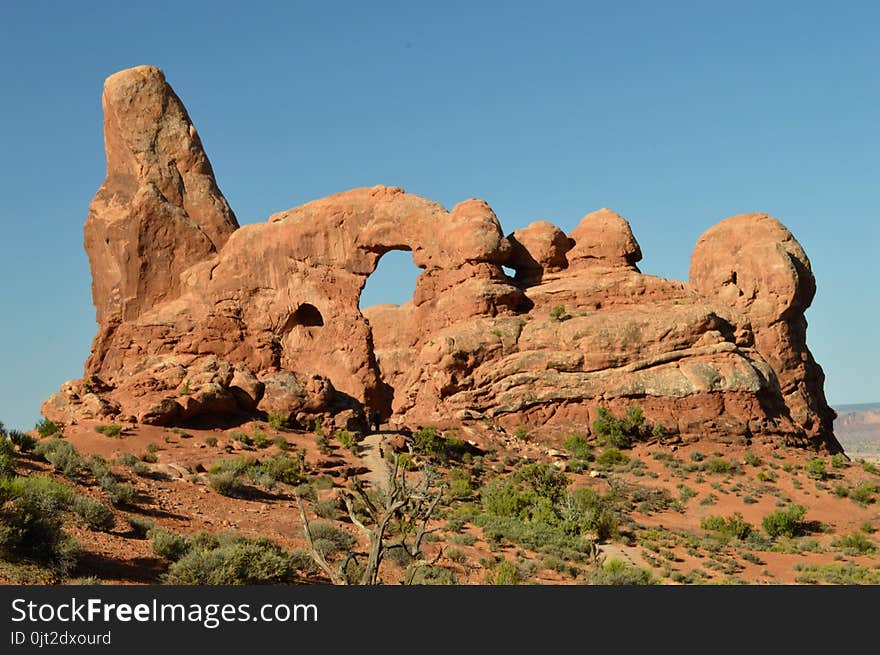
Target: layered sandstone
202,321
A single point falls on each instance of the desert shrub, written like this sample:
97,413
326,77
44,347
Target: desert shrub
31,521
22,440
128,459
428,442
329,540
280,468
544,480
233,468
685,493
46,428
61,454
867,528
839,460
434,575
457,555
732,527
347,439
578,445
97,516
111,430
558,313
785,523
816,469
719,466
463,539
752,459
243,438
863,494
593,513
150,458
120,493
854,544
280,443
211,440
839,574
261,439
226,483
277,420
502,573
611,457
461,482
229,559
869,467
140,526
618,572
168,545
7,459
620,432
328,508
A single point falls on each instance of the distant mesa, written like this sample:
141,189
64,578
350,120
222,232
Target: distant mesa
205,322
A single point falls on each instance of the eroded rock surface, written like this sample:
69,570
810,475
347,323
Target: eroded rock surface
202,321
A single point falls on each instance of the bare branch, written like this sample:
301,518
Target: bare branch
319,559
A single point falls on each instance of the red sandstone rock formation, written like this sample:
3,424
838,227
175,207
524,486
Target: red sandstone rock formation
201,321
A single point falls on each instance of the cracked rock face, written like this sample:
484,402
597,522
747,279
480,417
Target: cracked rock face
201,321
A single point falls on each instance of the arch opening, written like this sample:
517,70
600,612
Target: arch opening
385,303
306,315
393,282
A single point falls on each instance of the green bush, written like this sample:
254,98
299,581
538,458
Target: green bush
121,494
544,480
22,440
233,561
618,572
281,468
428,442
839,574
461,482
226,483
579,446
733,527
31,521
855,544
211,440
46,428
719,466
752,459
839,460
611,457
863,494
61,454
140,526
785,523
261,439
503,572
348,440
97,516
328,508
816,469
329,540
558,313
620,432
111,430
593,513
168,545
7,459
277,420
280,443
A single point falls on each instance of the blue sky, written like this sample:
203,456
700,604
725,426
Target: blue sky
674,114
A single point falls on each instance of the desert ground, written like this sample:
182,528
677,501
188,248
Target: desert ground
509,510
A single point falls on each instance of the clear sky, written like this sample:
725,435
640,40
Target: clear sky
674,114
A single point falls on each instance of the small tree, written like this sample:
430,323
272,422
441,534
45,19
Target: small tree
411,507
